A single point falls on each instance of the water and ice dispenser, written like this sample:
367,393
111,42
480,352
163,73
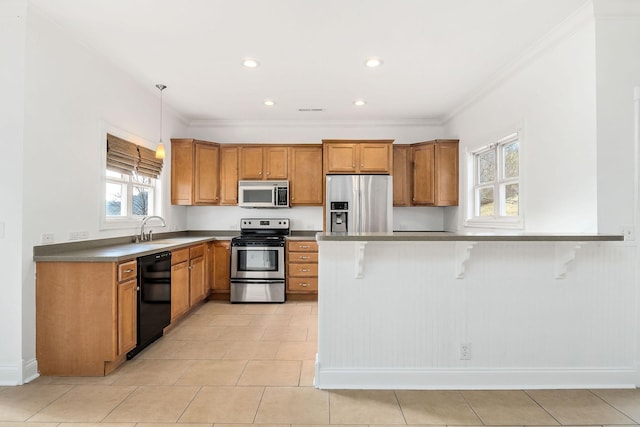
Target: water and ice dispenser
339,217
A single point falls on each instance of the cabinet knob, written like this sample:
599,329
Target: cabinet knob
259,173
304,285
128,271
304,257
304,270
353,165
304,246
268,173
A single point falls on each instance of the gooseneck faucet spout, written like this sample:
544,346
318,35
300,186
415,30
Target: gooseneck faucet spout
146,237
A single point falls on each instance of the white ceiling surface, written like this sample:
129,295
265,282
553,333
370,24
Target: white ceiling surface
436,53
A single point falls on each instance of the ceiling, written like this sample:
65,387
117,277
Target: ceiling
436,53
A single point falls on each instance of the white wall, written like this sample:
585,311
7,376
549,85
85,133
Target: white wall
12,59
618,71
310,218
551,93
69,94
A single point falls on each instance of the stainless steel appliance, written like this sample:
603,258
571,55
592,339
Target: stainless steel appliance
154,299
257,260
359,203
263,194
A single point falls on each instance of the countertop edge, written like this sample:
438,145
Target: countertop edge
464,237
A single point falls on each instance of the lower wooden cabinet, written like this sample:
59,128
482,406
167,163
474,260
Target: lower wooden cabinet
302,267
179,283
86,316
220,271
197,274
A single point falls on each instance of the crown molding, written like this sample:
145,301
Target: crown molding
202,123
560,32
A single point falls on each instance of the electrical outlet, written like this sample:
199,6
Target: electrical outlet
629,232
83,235
73,235
46,238
465,351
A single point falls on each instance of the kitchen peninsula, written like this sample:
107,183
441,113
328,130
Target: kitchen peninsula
475,311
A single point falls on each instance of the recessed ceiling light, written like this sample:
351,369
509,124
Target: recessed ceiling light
269,103
250,63
359,102
373,62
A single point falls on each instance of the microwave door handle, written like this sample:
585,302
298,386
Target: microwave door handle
275,196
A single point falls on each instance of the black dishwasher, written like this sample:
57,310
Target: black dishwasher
154,298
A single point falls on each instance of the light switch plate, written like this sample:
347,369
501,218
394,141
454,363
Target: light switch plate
46,238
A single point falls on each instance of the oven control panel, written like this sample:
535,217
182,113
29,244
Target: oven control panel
264,223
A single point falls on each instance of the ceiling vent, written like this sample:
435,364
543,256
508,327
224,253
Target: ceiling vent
311,110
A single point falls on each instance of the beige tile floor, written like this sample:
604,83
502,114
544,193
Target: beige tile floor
237,365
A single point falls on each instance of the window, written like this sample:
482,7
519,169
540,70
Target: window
495,184
131,183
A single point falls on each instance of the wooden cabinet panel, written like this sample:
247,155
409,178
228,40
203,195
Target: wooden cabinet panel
228,175
194,172
264,162
221,267
85,319
303,270
423,174
435,173
127,316
375,158
446,174
303,257
302,284
340,158
196,280
276,164
250,163
127,270
302,245
306,177
402,188
179,255
179,288
358,156
206,158
181,172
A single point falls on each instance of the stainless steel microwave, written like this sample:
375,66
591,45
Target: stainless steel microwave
263,194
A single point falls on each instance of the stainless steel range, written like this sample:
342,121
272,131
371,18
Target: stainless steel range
257,260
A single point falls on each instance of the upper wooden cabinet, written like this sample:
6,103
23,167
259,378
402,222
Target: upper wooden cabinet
194,172
229,175
402,175
435,173
357,156
305,166
263,162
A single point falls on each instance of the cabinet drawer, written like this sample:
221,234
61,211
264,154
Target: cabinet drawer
298,284
303,256
127,270
302,245
196,251
303,270
180,255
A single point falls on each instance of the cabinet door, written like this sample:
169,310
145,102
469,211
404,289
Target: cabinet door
127,315
179,289
228,175
196,279
446,174
402,175
221,267
206,173
423,174
375,158
276,162
181,172
306,176
250,163
340,158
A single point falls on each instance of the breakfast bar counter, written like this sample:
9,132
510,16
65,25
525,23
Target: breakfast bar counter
476,311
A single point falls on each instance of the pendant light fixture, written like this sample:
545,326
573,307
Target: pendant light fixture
160,154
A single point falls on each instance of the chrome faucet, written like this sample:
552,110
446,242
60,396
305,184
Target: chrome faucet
148,236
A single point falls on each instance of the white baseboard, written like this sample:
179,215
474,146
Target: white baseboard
478,379
17,375
30,370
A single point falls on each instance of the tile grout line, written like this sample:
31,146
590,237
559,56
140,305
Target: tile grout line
542,407
135,388
255,415
189,404
612,406
471,407
50,403
400,406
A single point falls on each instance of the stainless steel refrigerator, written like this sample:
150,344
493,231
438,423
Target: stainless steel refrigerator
359,203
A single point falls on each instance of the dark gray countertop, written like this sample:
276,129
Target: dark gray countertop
435,236
122,248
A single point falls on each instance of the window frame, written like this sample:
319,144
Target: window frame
129,221
498,185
